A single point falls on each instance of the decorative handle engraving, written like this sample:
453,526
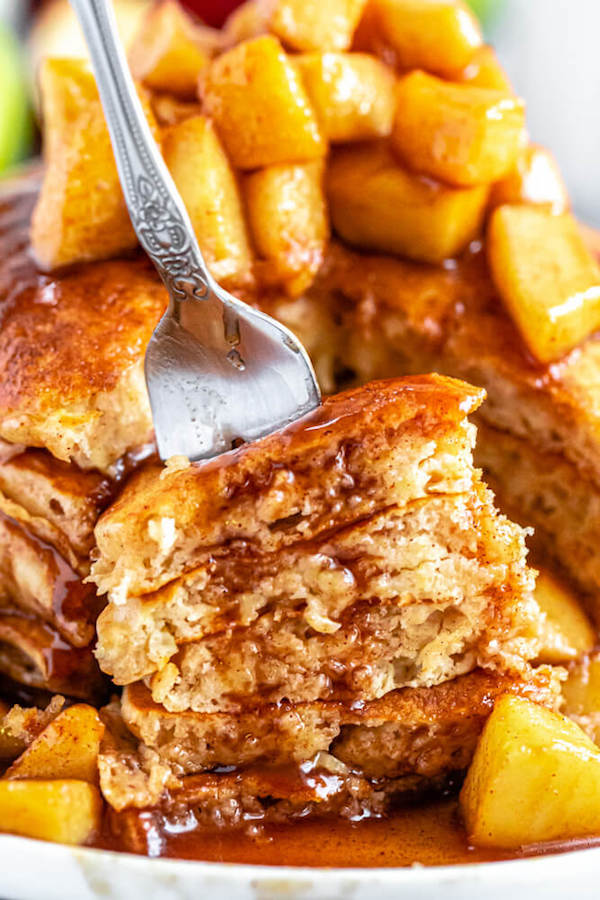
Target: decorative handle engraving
157,212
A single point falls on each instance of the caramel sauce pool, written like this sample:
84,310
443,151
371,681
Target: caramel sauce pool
427,835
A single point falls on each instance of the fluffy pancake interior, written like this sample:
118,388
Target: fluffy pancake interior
384,444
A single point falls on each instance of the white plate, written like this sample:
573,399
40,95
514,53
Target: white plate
33,870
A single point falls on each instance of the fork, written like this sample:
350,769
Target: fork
218,372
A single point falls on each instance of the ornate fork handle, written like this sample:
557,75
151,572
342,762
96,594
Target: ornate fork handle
157,212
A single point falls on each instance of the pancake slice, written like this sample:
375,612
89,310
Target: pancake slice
35,655
413,731
354,553
544,419
385,444
406,594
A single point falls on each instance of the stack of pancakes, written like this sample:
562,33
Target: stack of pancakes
316,622
539,430
331,610
73,415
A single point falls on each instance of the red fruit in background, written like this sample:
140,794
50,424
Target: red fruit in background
213,12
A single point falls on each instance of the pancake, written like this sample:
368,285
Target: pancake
359,452
408,743
74,420
350,554
379,317
39,580
406,593
58,493
35,655
414,731
548,491
72,348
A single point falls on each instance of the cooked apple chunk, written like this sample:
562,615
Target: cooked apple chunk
352,94
535,777
536,178
314,25
460,134
67,748
485,71
567,632
65,811
288,218
546,276
260,107
80,214
376,204
208,187
170,50
439,36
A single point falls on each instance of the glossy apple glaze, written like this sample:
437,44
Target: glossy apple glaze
426,834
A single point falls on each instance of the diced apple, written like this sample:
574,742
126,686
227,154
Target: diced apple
567,632
314,25
260,107
440,36
170,50
352,93
535,179
535,777
65,811
460,134
376,204
288,218
546,277
485,71
80,214
67,748
208,187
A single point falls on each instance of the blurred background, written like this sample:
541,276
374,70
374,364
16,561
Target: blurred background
550,49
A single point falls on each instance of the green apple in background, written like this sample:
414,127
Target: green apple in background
15,114
485,9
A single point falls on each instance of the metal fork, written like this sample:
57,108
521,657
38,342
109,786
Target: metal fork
218,372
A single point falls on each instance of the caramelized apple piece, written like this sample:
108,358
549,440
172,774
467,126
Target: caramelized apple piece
288,218
567,631
535,777
65,811
439,36
170,50
314,25
485,71
376,204
260,107
67,748
535,179
546,276
460,134
352,94
80,214
208,187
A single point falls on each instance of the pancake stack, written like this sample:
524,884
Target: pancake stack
539,429
330,610
74,419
